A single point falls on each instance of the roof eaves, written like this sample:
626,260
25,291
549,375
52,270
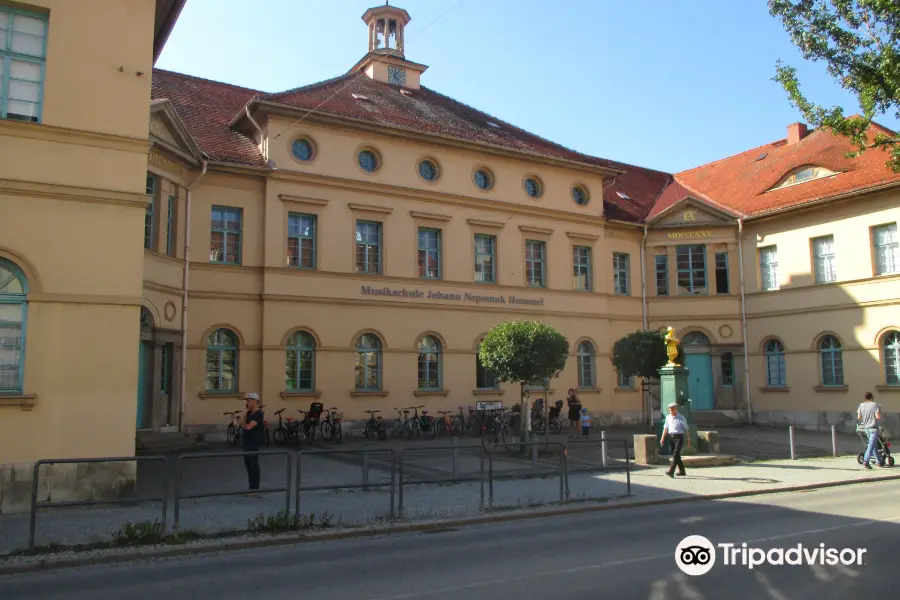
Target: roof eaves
874,189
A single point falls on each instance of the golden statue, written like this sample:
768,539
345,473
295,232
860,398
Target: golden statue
671,347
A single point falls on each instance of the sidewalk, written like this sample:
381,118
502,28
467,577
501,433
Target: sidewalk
428,501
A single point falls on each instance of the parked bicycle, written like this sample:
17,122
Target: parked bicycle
402,425
234,431
423,423
331,426
288,429
374,426
496,429
443,425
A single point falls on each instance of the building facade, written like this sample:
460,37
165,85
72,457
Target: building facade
351,241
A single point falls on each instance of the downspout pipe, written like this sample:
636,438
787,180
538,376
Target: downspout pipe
184,299
740,223
645,391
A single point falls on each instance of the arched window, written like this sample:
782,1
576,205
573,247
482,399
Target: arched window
484,377
804,174
695,338
776,373
832,361
586,365
429,363
368,362
300,370
146,318
13,291
891,345
222,361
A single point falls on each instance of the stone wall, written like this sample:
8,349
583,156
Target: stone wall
64,483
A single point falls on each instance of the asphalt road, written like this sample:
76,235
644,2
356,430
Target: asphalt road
622,554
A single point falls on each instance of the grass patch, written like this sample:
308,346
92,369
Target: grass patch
283,521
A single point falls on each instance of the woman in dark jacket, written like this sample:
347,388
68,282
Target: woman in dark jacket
574,409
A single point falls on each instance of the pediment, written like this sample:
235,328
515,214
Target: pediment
167,130
691,212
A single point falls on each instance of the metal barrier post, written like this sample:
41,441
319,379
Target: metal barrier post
299,483
627,469
482,478
793,452
400,486
833,441
562,475
491,479
393,480
366,463
565,466
603,449
165,495
455,455
534,456
34,492
287,486
176,511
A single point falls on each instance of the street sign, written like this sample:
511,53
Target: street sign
484,405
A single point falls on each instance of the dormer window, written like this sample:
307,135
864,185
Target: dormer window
803,175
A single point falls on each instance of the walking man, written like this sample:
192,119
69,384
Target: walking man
868,415
253,439
677,427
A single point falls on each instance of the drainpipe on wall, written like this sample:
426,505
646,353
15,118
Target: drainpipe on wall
645,389
184,299
740,223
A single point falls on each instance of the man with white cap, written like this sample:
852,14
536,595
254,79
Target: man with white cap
253,438
677,427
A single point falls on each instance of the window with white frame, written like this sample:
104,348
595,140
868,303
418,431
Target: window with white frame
823,259
887,249
768,268
23,46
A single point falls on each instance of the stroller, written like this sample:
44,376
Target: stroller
554,415
311,422
883,449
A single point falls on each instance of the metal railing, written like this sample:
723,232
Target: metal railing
365,484
535,473
286,488
35,505
454,478
606,464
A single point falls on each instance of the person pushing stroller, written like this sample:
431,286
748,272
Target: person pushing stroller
868,414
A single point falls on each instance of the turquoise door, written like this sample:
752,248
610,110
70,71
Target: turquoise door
144,356
700,381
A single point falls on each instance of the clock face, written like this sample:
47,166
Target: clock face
396,75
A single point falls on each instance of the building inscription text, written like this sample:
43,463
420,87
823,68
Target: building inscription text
368,290
681,235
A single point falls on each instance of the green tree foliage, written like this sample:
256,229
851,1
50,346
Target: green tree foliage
859,40
642,353
524,352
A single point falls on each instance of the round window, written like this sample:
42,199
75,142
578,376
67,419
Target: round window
368,161
302,149
532,187
483,179
579,195
428,170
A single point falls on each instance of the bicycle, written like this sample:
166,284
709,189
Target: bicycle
374,426
402,424
497,429
234,431
459,422
284,432
424,423
331,426
444,424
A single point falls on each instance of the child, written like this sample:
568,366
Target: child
585,422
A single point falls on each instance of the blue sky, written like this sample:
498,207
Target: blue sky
664,85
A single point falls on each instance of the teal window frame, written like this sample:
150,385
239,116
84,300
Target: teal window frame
483,259
887,249
727,370
621,274
219,343
535,263
776,368
368,362
581,267
301,351
891,351
430,364
7,56
662,274
586,366
692,277
365,246
170,227
484,377
149,221
824,260
832,360
302,241
721,266
227,234
429,253
624,382
768,268
19,300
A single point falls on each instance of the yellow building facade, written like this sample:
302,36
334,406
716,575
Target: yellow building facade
350,242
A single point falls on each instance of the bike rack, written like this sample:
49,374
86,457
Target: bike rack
180,460
35,505
453,450
366,484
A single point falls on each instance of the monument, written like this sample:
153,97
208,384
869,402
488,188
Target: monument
673,387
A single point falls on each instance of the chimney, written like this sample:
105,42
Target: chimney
796,132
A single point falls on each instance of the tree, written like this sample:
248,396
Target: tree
641,354
524,352
859,40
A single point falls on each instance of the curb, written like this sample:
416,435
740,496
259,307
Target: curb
287,540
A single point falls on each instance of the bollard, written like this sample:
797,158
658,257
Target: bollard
833,441
603,451
534,454
793,452
400,487
366,464
455,455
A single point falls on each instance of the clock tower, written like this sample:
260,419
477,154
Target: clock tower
386,60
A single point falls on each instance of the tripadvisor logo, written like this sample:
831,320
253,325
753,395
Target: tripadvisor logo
696,555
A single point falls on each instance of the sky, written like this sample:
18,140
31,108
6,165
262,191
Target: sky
659,84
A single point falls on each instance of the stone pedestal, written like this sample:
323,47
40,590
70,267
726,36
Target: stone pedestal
646,449
708,442
673,387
